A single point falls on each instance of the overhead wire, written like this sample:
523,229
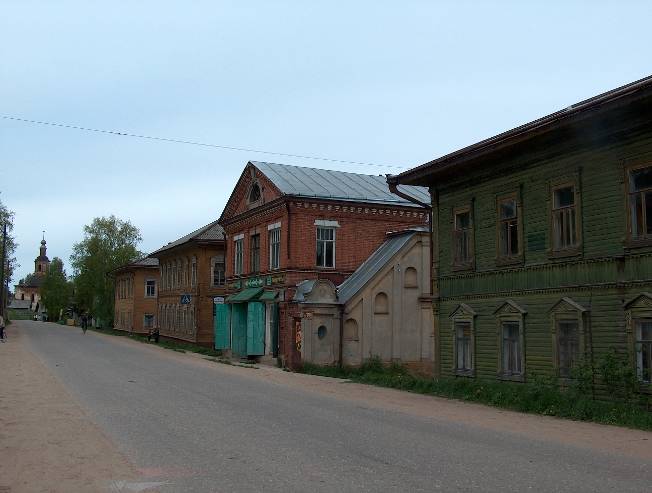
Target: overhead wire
195,143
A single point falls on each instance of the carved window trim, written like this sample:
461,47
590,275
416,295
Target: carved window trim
463,314
637,309
630,241
567,310
510,312
554,186
469,263
504,260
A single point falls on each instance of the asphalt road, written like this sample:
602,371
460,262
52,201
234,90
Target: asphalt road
201,428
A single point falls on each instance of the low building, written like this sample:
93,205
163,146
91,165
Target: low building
192,281
136,293
542,243
382,310
287,224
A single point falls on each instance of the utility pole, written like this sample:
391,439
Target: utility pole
2,271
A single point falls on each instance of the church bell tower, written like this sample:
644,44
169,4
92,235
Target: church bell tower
42,262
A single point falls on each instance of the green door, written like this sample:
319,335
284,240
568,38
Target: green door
239,328
222,326
273,319
255,328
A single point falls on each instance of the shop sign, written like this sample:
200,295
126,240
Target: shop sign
275,279
235,285
254,282
218,300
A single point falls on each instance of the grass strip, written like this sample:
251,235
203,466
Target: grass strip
541,396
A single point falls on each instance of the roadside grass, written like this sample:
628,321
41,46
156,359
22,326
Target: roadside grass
540,396
180,347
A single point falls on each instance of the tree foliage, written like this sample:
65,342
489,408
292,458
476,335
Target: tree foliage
108,243
7,217
56,289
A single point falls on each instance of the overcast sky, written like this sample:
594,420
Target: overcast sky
389,82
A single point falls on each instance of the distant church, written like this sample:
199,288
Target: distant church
28,291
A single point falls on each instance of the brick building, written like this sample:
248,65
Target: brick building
286,224
192,276
136,291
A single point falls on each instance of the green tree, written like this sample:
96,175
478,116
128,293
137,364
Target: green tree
7,217
108,243
56,289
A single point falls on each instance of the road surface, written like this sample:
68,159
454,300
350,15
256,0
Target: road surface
191,425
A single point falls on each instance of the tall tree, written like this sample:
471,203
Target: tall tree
108,243
56,289
7,217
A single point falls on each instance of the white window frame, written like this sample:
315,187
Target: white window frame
147,295
274,260
238,255
334,241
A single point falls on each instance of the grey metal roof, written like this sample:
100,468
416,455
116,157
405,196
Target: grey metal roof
303,288
339,185
20,304
210,232
373,264
146,262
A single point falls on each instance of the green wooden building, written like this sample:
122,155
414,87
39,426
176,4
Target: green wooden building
542,247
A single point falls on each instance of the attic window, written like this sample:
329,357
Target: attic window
254,193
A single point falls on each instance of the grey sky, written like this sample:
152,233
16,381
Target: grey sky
387,82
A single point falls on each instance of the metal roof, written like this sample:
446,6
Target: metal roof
420,173
210,232
379,259
336,185
20,304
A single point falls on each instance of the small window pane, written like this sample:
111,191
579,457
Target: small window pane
641,179
568,345
508,209
462,220
564,197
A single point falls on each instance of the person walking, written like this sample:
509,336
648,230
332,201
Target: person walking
2,328
84,322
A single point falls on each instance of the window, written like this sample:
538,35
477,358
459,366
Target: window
325,247
193,272
508,234
254,252
463,347
274,248
511,348
148,321
254,193
462,237
463,337
237,256
218,270
568,346
564,218
643,349
150,288
640,202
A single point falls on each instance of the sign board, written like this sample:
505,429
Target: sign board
218,300
185,299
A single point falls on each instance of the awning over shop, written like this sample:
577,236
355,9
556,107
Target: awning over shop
268,296
247,294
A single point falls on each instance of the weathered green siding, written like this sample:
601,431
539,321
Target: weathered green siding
601,277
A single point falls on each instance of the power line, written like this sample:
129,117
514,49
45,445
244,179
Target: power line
195,143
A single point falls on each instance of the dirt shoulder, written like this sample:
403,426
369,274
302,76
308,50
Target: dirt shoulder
47,443
602,438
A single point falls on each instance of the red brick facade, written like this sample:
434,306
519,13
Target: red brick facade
359,228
